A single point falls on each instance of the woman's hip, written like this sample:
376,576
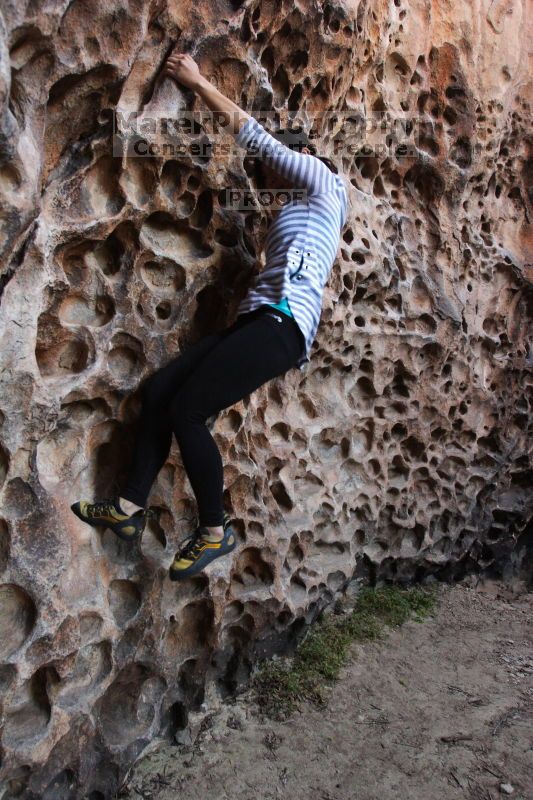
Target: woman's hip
287,327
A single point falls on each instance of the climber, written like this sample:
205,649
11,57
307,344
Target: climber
273,332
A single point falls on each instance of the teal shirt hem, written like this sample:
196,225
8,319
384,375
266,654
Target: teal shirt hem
283,306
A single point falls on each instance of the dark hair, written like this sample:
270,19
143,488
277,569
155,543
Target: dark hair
297,139
329,163
294,138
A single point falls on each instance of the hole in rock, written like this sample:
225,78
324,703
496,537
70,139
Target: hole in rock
161,275
163,310
60,788
172,177
281,496
31,710
18,614
175,718
139,180
19,780
8,674
90,626
191,682
95,195
79,309
92,665
126,357
118,249
251,569
126,709
59,350
173,239
192,630
74,104
203,212
124,600
4,465
426,181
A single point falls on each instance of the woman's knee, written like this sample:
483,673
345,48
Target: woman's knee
184,411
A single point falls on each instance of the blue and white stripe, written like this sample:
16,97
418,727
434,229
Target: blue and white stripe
302,241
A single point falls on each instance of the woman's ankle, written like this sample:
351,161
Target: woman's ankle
128,507
215,532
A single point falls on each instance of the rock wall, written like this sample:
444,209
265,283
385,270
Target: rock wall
400,451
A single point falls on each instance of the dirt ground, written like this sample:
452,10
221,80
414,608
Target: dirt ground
435,710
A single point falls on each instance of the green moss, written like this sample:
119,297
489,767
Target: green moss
279,686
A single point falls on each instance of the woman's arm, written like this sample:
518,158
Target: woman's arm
182,68
302,170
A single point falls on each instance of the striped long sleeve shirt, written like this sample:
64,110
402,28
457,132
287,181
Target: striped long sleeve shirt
302,241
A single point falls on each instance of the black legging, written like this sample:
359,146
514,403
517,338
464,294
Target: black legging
210,375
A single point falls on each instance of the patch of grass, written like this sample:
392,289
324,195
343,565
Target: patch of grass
279,686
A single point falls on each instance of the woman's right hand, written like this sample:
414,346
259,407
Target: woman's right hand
182,68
